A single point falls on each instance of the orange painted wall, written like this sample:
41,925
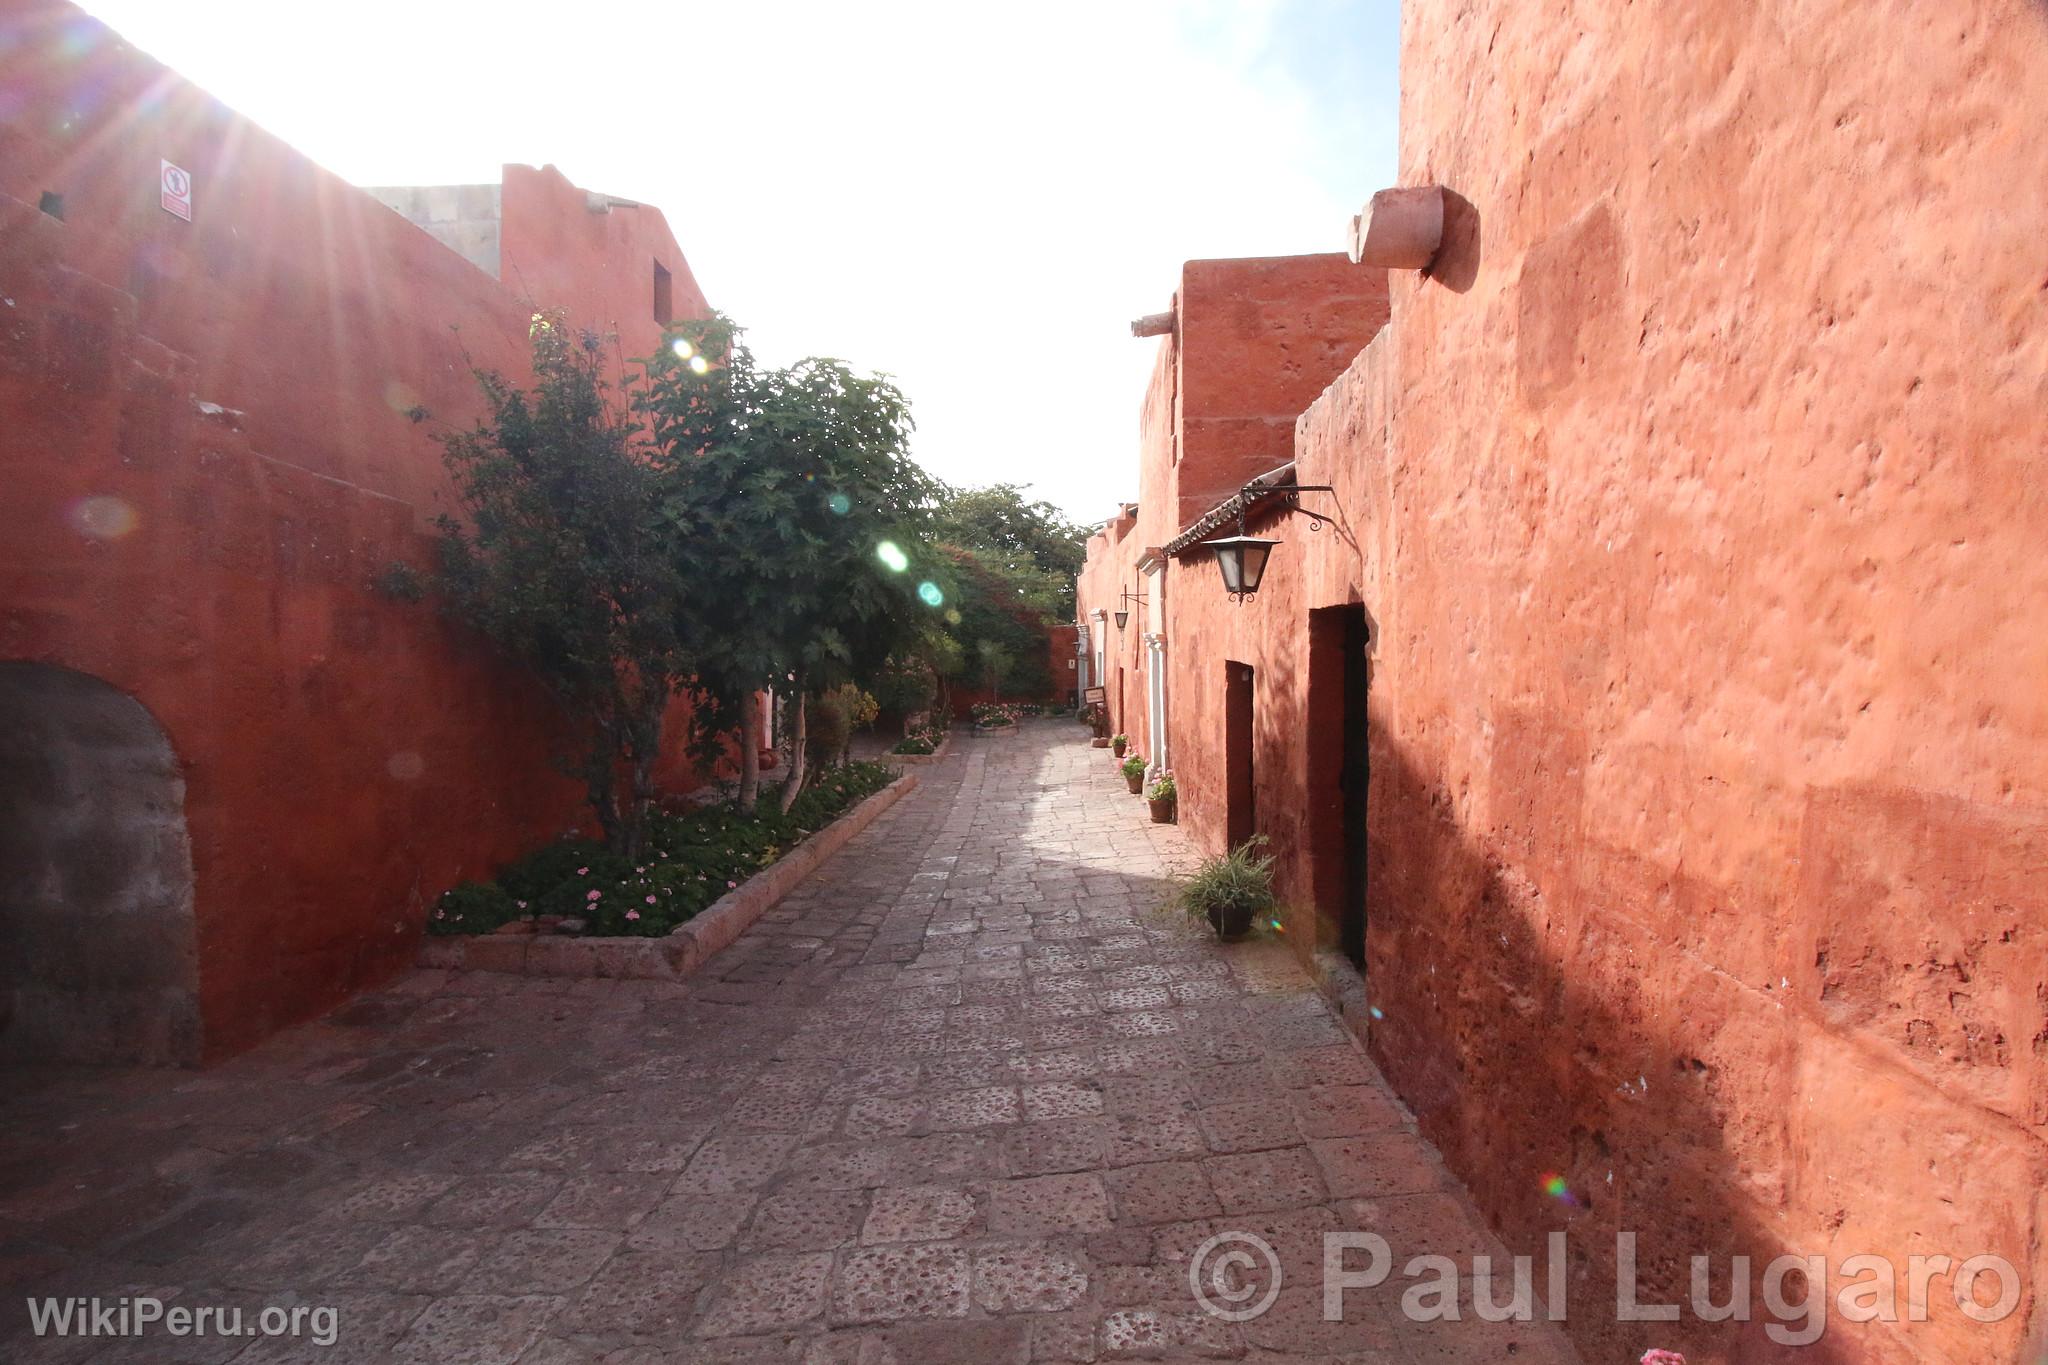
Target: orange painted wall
237,386
1697,498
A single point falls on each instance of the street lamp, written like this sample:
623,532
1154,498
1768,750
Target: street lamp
1242,559
1123,613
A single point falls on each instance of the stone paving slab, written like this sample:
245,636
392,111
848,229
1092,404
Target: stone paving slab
964,1095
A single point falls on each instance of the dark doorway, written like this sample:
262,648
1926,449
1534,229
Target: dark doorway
98,947
1240,792
1340,672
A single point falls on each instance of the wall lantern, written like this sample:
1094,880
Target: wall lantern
1243,562
1123,613
1242,558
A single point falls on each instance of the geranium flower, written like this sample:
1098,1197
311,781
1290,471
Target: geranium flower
1657,1357
730,885
593,895
650,900
632,914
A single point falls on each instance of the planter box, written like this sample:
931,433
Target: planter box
994,731
915,759
682,950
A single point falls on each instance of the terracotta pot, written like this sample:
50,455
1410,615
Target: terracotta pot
770,759
1119,745
1162,811
1137,784
1099,742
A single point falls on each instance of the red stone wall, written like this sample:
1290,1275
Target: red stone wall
207,461
1696,501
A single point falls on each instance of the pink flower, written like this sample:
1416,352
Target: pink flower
593,895
1655,1357
632,914
639,869
730,885
583,872
522,905
650,900
440,914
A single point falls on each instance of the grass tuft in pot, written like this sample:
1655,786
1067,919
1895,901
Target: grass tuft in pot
1232,892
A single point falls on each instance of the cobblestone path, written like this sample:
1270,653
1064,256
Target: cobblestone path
964,1097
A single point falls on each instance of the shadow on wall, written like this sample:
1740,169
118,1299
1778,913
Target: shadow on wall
98,950
1456,266
1665,1108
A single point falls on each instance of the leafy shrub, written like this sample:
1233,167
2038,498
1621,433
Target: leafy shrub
1162,790
1237,884
692,860
472,908
925,741
1134,766
993,713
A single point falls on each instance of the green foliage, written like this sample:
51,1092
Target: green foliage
1014,566
925,741
691,860
1162,789
835,715
782,487
561,559
1134,766
1031,543
1239,882
1119,739
402,582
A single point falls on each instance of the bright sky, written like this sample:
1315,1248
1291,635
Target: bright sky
974,198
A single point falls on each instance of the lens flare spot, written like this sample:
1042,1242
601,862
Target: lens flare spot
1556,1187
1378,1013
103,518
928,593
406,766
840,503
890,553
683,349
699,365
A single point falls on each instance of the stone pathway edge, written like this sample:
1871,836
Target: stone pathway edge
685,948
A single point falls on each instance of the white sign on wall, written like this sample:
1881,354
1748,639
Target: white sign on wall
177,190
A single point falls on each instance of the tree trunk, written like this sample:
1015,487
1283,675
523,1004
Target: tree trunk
798,740
750,751
646,753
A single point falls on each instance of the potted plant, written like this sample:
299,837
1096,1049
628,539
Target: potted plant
1096,717
1118,743
1161,796
1231,893
1134,773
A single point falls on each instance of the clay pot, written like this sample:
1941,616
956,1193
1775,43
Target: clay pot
1119,746
1162,811
1099,742
1137,784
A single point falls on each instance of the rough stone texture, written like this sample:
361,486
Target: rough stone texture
1694,496
97,949
735,1167
210,462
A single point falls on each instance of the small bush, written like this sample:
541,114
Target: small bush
1162,790
1134,766
1236,887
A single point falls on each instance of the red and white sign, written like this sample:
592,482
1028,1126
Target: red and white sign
177,191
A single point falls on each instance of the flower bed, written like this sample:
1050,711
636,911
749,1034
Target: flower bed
922,742
994,715
574,886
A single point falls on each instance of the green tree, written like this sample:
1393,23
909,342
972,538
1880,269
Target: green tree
563,559
799,517
1031,543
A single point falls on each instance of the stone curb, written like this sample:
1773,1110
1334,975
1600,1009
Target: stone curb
685,948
